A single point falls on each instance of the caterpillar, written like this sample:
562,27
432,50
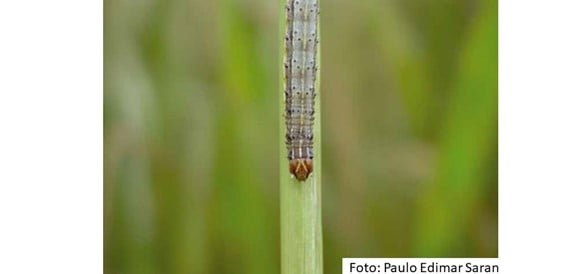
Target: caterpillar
300,65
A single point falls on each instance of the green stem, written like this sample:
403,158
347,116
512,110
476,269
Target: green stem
300,202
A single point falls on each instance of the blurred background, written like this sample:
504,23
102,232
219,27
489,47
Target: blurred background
409,125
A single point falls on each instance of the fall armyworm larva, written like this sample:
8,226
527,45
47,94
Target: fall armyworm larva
300,72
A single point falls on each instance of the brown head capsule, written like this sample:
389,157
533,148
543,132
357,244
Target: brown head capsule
301,168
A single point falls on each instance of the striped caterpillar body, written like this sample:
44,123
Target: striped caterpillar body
300,73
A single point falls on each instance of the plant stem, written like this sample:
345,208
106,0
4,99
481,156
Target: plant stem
300,202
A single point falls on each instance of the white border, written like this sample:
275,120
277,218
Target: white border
532,135
51,137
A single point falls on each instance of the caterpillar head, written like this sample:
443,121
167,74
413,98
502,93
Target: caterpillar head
301,168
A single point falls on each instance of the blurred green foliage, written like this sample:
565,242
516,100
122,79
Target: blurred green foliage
409,115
